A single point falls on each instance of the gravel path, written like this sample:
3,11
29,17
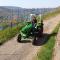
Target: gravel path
12,50
57,48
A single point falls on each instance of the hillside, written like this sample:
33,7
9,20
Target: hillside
6,12
52,13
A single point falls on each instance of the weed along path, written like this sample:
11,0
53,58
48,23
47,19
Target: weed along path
12,50
56,54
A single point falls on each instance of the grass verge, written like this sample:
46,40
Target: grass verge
46,51
8,33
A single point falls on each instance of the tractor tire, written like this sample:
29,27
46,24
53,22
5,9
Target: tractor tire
19,38
34,41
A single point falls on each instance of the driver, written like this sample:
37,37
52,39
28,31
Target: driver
34,21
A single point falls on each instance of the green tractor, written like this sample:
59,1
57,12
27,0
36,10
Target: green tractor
27,31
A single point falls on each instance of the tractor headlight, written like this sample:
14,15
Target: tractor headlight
36,27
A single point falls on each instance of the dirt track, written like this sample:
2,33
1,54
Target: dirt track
56,55
12,50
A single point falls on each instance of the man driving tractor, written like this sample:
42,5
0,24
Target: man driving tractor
34,22
33,29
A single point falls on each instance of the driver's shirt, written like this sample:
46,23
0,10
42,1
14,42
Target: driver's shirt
34,21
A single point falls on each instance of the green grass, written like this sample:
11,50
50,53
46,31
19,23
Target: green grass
3,24
8,33
46,51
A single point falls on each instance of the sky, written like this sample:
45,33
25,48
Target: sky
31,3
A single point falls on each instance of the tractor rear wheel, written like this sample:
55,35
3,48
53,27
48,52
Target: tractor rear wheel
19,38
34,40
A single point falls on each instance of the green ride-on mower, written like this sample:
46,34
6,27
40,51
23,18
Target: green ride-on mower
27,31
